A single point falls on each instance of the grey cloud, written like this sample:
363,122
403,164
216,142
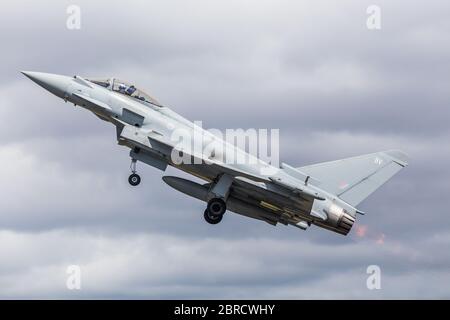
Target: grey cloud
177,267
333,88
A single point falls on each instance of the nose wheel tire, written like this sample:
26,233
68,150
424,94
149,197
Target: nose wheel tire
134,179
212,219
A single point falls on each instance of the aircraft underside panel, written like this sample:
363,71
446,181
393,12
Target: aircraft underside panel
150,159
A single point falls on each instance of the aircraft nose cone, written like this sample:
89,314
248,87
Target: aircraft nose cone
55,83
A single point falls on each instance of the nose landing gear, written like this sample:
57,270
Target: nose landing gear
134,179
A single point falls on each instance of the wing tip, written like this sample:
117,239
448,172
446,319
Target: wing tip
398,156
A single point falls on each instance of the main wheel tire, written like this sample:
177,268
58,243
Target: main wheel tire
216,207
212,219
134,179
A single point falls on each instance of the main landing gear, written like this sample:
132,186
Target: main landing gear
218,193
134,179
215,210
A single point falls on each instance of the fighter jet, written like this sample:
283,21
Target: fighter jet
324,194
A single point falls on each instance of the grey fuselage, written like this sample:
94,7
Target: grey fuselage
283,196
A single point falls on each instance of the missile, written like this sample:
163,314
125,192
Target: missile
302,225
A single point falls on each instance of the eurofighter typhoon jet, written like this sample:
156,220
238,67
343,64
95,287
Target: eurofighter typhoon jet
323,194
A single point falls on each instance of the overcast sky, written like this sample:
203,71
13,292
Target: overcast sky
312,69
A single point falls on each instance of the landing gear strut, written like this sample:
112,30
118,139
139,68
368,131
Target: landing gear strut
134,179
215,210
217,196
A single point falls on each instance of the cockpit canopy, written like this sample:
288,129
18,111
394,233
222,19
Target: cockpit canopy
125,88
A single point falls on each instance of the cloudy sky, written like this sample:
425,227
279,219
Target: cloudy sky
312,69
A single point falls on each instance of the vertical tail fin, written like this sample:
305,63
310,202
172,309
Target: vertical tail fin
354,179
